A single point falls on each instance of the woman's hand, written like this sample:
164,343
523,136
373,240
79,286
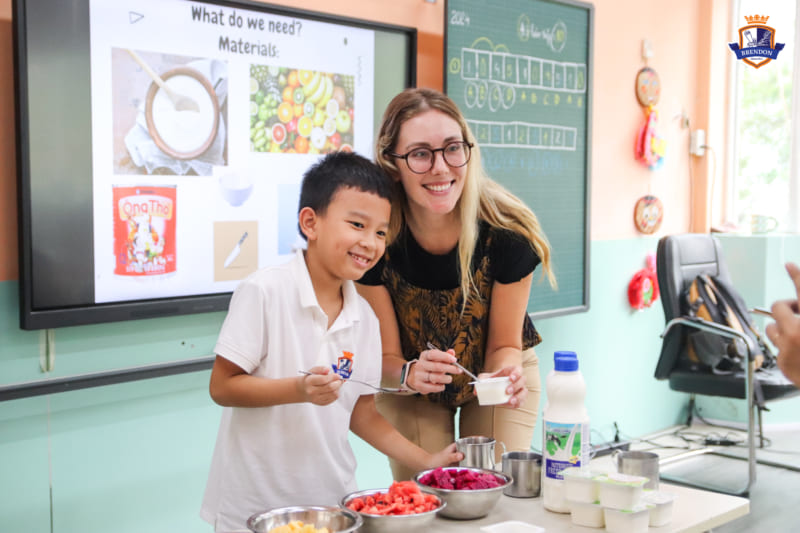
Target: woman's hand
449,456
432,371
321,387
517,389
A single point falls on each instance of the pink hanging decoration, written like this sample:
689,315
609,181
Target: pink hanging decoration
650,147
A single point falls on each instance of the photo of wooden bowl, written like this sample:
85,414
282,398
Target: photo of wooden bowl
182,134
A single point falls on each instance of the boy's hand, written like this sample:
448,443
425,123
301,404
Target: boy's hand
450,456
321,387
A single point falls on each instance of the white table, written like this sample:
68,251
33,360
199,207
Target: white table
693,511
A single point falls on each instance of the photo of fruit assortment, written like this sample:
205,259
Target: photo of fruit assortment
300,111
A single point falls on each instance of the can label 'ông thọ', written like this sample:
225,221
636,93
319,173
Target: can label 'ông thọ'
144,230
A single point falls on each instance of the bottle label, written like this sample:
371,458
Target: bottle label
563,447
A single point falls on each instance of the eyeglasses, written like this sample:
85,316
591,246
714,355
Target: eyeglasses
421,160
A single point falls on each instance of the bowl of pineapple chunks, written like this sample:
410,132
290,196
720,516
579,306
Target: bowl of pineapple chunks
305,519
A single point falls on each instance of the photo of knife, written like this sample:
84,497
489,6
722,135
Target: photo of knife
235,252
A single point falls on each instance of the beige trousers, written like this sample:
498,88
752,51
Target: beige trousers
432,426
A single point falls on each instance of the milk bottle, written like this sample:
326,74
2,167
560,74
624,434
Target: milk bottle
566,439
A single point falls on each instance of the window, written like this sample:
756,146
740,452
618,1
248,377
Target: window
765,178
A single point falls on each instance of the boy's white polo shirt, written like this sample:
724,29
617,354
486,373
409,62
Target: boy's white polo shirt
297,453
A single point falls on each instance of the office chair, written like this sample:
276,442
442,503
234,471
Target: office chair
679,259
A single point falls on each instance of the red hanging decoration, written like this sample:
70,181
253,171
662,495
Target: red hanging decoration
643,287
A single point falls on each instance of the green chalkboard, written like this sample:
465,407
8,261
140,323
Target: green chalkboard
520,70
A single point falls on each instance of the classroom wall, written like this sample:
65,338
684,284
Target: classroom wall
134,457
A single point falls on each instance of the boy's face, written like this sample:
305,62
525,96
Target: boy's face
350,236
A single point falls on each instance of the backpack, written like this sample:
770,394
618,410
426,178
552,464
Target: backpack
712,299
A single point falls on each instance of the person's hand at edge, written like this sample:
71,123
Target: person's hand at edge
785,331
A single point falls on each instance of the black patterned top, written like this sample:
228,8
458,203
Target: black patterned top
426,294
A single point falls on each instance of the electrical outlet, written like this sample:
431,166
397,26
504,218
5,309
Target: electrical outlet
697,143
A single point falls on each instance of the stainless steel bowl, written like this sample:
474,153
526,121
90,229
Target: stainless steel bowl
336,519
468,504
394,523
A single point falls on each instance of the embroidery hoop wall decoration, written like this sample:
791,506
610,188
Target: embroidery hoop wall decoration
648,214
648,87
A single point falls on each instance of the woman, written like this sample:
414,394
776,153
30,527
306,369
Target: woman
454,232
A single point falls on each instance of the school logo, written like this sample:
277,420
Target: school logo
344,365
756,45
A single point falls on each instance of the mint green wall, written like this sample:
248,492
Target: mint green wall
134,457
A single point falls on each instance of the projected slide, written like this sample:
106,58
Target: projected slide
204,118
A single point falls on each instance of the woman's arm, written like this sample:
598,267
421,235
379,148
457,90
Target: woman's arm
231,386
507,311
432,371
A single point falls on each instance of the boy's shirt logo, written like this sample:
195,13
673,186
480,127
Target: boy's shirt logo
344,365
756,45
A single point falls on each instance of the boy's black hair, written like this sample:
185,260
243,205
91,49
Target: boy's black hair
341,170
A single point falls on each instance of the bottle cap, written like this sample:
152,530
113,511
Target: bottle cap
565,361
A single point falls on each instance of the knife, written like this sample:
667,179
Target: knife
235,252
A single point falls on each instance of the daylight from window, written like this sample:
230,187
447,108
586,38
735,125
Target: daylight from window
763,124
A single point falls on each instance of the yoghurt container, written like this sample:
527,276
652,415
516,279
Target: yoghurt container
581,485
660,505
588,514
621,491
492,391
634,520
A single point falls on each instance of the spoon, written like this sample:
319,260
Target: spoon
470,374
387,390
179,101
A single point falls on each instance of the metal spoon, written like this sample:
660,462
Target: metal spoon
459,365
179,101
388,390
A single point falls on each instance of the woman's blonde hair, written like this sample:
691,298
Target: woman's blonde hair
481,199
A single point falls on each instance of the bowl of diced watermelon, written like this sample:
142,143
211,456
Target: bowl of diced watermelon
469,492
403,507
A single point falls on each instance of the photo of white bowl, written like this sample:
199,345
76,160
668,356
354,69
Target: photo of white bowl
236,188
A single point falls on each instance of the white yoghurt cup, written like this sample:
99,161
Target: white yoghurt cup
634,520
588,514
581,485
492,391
621,491
660,504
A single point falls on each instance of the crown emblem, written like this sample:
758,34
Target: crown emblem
757,19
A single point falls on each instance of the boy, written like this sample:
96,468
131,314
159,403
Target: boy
283,436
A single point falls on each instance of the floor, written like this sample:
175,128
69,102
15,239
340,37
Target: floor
775,487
